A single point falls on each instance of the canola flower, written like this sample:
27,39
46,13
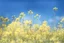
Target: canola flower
62,20
30,12
18,32
55,8
27,22
22,15
36,16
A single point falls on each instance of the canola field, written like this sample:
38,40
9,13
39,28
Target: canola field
27,32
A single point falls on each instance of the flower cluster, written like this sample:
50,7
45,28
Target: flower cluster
27,32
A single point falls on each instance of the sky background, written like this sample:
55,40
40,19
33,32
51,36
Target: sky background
8,8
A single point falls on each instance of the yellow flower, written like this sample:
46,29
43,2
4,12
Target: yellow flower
4,25
62,20
36,26
27,22
1,31
12,41
6,33
38,36
21,41
44,27
30,12
17,19
57,42
22,15
55,8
